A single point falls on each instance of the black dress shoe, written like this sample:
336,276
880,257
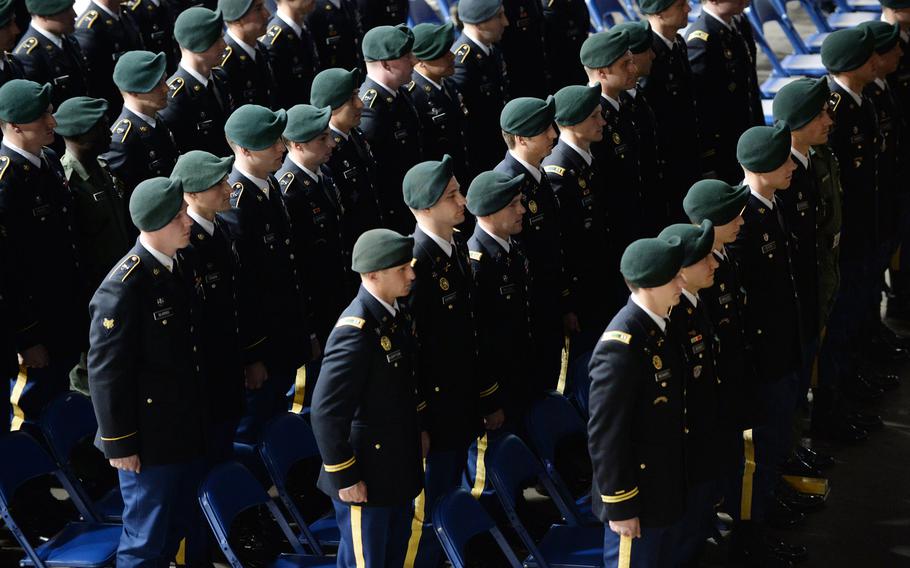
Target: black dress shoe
796,466
885,381
749,549
781,516
865,421
814,458
795,552
801,502
861,390
840,430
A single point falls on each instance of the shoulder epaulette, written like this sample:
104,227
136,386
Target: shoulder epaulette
28,45
237,188
4,163
410,86
126,268
834,100
369,97
273,33
698,34
228,51
463,51
555,170
123,127
175,84
475,254
286,180
619,336
352,322
91,16
133,5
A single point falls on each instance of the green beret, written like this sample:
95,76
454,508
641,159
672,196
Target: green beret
798,103
895,4
6,12
478,11
78,115
378,249
575,103
697,240
527,116
306,122
233,10
492,191
47,7
334,87
425,183
654,6
763,149
139,71
198,28
716,201
199,171
649,263
384,43
155,202
884,34
432,41
255,127
639,35
23,101
846,50
604,48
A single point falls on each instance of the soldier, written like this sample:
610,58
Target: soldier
636,429
245,61
566,25
142,145
442,113
155,21
375,13
292,52
261,233
146,379
9,364
389,122
49,54
227,323
105,33
36,217
723,74
670,91
527,128
352,164
501,282
461,400
575,180
336,29
372,467
198,100
10,68
607,61
317,212
523,48
480,76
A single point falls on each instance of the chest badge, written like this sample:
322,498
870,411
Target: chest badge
386,343
657,362
722,286
766,237
532,206
582,183
108,323
444,284
616,138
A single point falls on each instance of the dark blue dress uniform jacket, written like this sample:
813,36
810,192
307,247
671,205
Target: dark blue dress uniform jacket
36,219
891,158
635,429
651,163
249,81
523,49
294,60
156,26
146,363
458,395
566,27
337,33
43,62
382,13
139,151
12,69
365,411
196,113
442,122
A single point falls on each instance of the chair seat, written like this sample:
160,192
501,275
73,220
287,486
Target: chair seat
110,507
864,6
809,64
843,20
302,561
773,84
814,41
325,530
572,547
767,107
80,545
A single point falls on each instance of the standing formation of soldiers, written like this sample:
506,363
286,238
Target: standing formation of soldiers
402,236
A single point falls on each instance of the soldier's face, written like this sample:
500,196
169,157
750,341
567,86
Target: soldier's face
300,8
887,62
347,116
255,19
677,15
396,281
401,68
491,31
39,132
701,274
507,221
176,234
643,62
449,210
8,35
62,23
668,294
781,177
212,56
442,66
540,146
321,147
727,233
899,16
591,129
216,198
156,98
817,130
268,160
98,139
622,74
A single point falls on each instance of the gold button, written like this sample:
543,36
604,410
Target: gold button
686,430
149,401
436,389
664,384
643,466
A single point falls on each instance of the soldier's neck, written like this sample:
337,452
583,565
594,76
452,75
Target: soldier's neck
758,186
610,91
491,229
441,230
522,153
339,127
852,82
244,36
196,65
569,135
207,214
242,163
85,155
799,145
112,5
426,72
286,11
377,291
646,299
306,160
20,142
662,29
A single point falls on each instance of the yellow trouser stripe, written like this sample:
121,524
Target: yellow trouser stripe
299,390
357,536
745,505
18,388
625,551
416,529
180,559
813,380
480,469
563,368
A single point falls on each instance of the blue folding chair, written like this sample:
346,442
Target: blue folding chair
835,21
288,440
230,489
510,465
807,64
550,422
766,11
421,12
458,518
859,6
68,420
78,544
767,109
607,13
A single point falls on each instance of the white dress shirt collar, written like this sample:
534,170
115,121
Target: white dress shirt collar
391,308
445,245
708,11
430,81
196,75
660,321
535,172
611,100
669,42
54,38
338,132
586,156
803,159
262,184
151,121
856,96
763,199
249,49
207,226
506,245
390,90
483,47
165,260
108,11
287,20
33,159
315,176
693,298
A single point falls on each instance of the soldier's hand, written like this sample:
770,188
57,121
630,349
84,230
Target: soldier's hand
356,493
255,374
494,421
129,463
628,527
424,443
570,323
35,357
315,348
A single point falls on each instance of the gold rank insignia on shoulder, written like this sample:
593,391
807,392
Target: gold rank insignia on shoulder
698,34
619,336
555,170
4,163
386,343
89,17
228,51
351,322
286,179
410,86
463,51
123,127
657,362
28,45
273,33
834,100
175,85
475,254
444,284
108,323
369,97
126,268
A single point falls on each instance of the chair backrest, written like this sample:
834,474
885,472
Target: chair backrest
66,421
608,13
763,44
551,420
815,14
458,517
423,12
23,459
765,11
